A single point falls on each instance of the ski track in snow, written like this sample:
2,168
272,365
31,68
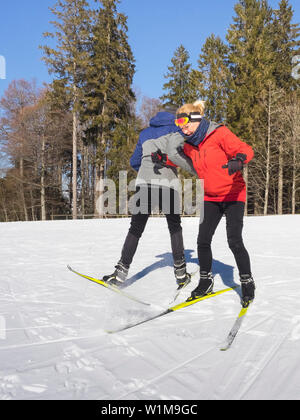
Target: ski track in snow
53,343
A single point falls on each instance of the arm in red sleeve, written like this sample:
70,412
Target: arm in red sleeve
232,145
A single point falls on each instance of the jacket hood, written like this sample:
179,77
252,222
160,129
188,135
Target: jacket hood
162,119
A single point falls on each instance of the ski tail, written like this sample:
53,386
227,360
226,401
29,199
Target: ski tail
192,301
235,329
109,286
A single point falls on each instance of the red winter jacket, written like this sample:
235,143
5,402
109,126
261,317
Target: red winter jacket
216,150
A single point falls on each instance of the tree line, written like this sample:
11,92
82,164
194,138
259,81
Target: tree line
63,140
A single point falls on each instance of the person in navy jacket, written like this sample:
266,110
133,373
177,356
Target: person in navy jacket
155,189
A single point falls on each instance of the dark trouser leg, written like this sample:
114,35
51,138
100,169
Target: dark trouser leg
137,227
181,275
212,215
155,199
234,224
174,225
175,230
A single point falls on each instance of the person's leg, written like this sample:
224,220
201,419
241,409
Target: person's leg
137,227
170,204
234,212
177,245
234,224
213,213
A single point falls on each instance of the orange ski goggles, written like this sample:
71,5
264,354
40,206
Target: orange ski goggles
180,122
184,119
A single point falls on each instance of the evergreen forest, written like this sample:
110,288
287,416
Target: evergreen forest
64,139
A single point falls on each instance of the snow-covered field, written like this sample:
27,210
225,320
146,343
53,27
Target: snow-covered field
53,343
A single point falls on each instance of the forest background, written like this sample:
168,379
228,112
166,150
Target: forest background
62,140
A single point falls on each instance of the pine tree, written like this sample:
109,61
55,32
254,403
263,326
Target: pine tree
178,86
68,61
252,65
195,87
213,66
108,86
286,44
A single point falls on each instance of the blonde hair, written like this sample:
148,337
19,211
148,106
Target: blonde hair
198,106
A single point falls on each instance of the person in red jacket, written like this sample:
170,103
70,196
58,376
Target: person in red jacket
218,157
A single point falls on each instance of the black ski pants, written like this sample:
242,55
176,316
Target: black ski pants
234,213
155,199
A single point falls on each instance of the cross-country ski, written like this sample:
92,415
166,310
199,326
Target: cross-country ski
235,329
108,286
175,308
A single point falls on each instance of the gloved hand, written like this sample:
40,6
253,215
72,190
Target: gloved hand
235,164
159,157
160,161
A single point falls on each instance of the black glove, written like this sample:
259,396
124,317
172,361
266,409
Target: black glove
235,164
159,157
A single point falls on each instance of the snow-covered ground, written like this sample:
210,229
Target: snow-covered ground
53,343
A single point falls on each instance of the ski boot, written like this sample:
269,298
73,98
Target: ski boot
119,275
182,277
205,286
248,289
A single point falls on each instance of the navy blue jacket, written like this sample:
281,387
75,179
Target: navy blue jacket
160,125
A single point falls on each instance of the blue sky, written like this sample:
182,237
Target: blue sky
156,29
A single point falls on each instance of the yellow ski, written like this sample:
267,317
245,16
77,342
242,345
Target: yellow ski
235,329
173,309
109,286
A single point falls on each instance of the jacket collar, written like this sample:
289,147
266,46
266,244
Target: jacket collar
200,134
197,138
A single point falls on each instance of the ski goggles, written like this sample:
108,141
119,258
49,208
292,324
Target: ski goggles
184,119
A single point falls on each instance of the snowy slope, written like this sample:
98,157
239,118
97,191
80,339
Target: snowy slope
53,343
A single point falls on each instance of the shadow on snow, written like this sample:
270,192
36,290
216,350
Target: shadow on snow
225,271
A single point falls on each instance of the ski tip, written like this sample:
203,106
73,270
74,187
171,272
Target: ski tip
71,269
224,346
